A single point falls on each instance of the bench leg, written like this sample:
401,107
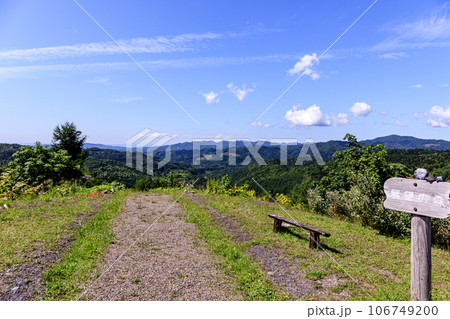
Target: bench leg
313,240
276,226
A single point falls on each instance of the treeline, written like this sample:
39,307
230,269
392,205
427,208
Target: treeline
350,186
285,179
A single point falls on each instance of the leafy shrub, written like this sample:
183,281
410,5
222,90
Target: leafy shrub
223,186
317,202
144,184
299,194
283,200
353,189
440,229
35,167
93,182
171,181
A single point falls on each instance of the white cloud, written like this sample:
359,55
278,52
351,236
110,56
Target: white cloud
400,123
126,99
360,109
239,93
305,66
259,124
160,44
431,31
435,123
441,116
440,111
417,86
444,85
416,115
340,119
312,116
393,55
211,97
383,113
35,70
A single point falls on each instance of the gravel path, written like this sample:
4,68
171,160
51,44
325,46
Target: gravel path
284,273
167,263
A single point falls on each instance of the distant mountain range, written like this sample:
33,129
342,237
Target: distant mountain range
109,161
390,141
408,142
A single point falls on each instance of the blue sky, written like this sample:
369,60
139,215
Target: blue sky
225,63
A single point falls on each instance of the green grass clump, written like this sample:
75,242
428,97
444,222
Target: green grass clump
35,226
370,264
251,281
315,274
66,280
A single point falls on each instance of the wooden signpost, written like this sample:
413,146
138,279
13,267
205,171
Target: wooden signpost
423,200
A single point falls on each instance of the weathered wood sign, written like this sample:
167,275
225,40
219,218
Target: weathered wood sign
418,197
423,200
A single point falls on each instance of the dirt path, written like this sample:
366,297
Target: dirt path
284,273
167,262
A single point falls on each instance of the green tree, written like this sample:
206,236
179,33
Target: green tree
33,166
347,166
67,137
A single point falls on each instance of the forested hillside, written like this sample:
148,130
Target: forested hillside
6,152
109,164
287,179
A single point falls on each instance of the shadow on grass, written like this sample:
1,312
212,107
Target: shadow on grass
294,233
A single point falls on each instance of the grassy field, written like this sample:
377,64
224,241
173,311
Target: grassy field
251,280
73,231
372,266
77,231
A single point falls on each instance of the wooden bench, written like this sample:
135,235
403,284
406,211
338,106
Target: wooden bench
314,234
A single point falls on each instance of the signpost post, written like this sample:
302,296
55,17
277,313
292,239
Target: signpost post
423,200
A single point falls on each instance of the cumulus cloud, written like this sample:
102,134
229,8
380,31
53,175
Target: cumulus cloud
340,119
304,66
211,97
312,116
440,116
360,109
240,93
259,124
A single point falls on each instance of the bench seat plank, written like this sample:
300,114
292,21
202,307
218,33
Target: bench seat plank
289,221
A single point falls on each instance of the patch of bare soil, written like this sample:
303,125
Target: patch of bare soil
283,272
167,262
23,282
386,274
229,224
